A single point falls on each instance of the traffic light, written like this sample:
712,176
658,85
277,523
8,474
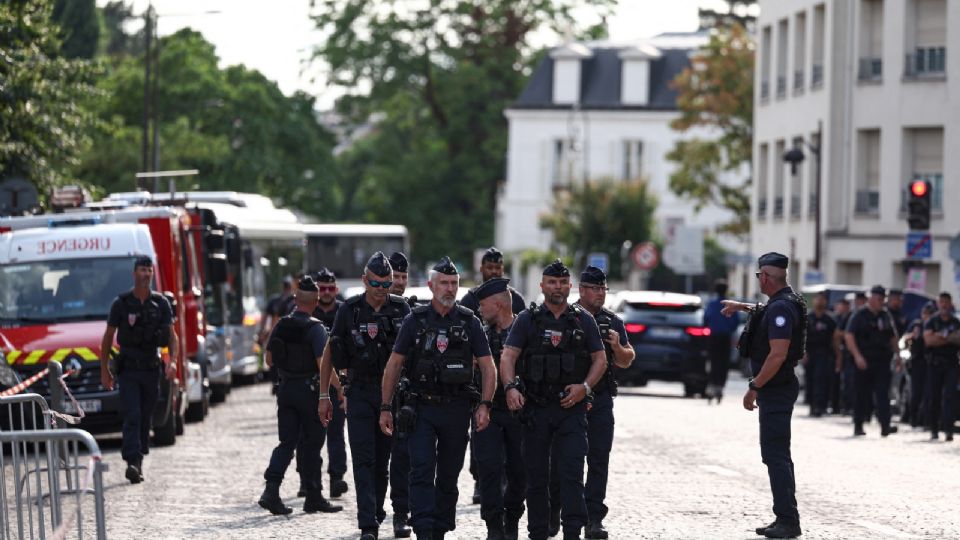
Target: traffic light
918,209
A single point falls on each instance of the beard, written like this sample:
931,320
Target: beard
447,300
556,298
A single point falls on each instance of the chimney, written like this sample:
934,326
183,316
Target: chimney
635,74
566,72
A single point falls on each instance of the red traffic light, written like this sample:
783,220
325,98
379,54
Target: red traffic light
918,188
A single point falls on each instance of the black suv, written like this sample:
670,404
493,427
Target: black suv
668,335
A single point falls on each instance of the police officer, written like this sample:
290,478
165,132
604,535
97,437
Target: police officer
942,361
846,393
721,336
620,354
491,266
498,448
325,312
895,307
296,347
774,342
364,331
441,341
399,457
871,337
918,367
822,355
142,321
562,359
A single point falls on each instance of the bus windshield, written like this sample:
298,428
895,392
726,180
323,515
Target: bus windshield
345,254
59,290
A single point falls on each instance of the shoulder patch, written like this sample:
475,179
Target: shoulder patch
780,320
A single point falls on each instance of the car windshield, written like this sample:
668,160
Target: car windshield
58,290
664,313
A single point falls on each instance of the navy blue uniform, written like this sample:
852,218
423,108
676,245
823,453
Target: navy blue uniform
138,374
941,376
722,329
781,319
549,422
821,358
357,322
873,332
297,399
437,444
918,375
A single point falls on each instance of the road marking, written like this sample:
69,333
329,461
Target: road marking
889,531
718,470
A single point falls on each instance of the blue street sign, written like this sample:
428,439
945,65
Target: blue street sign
919,245
813,277
600,260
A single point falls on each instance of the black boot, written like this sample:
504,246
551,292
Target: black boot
338,486
495,528
270,500
783,531
554,521
595,531
438,534
476,493
858,430
761,530
134,473
400,529
423,534
511,527
369,534
316,503
884,431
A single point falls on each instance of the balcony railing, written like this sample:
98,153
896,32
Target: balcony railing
871,69
867,202
816,76
926,62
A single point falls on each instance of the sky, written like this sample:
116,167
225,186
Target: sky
277,40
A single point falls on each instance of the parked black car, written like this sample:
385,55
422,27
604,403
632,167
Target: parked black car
668,335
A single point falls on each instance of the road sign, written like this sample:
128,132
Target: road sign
684,254
813,277
917,278
600,260
919,245
645,256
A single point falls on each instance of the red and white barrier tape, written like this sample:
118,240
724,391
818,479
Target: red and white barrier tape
20,387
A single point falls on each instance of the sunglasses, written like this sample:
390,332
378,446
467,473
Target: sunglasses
758,274
595,287
379,283
327,288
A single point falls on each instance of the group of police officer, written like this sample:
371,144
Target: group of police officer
418,381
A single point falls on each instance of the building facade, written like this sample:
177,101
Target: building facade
865,82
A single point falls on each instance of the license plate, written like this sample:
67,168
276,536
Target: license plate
665,332
88,406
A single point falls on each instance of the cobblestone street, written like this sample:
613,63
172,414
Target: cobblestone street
681,469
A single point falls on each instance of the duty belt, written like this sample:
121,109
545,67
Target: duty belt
290,375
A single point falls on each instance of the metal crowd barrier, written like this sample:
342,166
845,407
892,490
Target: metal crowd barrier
51,477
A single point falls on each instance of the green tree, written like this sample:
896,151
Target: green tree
79,27
599,216
716,92
44,124
442,76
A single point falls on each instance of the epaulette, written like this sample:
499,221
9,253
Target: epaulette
421,309
465,311
396,299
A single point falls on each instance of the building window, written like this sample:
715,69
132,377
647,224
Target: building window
632,152
925,162
871,40
819,37
799,51
782,40
561,168
867,200
763,180
814,203
765,46
796,184
778,180
926,54
850,272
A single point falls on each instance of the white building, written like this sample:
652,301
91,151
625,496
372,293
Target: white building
593,111
875,75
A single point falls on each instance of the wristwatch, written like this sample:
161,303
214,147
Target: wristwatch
587,388
488,403
751,385
511,386
386,407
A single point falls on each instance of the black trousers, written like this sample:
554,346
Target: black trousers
370,450
139,389
719,360
918,391
296,416
873,391
499,458
776,410
941,393
821,365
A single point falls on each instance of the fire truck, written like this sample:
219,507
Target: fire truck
59,274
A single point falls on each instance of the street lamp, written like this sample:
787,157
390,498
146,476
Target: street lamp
795,157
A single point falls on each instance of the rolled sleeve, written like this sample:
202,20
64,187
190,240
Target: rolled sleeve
318,339
591,332
405,337
478,339
116,313
780,321
519,332
619,328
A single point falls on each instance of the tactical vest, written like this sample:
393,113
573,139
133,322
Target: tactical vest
327,317
759,337
496,340
873,338
608,382
556,355
140,333
366,349
291,348
441,361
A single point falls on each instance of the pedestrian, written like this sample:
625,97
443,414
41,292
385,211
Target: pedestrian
845,371
721,340
895,307
822,355
498,448
399,455
364,331
142,322
441,341
942,361
774,341
916,411
871,337
296,347
562,358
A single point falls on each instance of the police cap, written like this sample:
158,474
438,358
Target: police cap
878,289
324,275
859,294
593,275
895,292
491,287
492,255
307,284
399,261
773,259
446,266
142,260
556,269
379,265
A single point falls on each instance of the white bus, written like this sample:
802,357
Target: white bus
345,248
